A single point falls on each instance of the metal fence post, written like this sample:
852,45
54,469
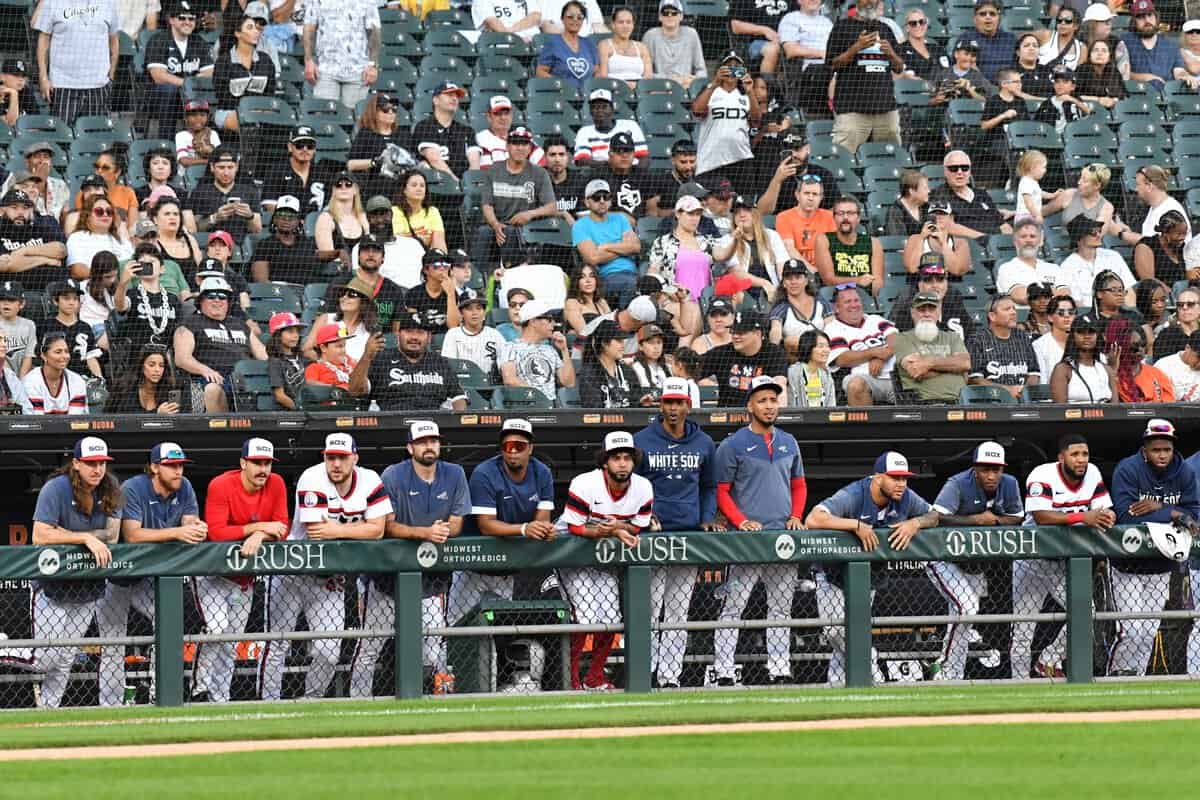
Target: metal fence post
858,623
408,634
168,641
637,629
1079,620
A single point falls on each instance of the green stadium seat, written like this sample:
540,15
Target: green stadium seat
316,397
651,87
446,68
448,18
252,390
984,395
400,43
508,44
441,40
511,397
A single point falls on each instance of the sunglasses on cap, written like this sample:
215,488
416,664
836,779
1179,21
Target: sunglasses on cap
809,177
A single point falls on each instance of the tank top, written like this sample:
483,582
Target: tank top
1076,208
341,241
1166,269
624,68
1089,384
1049,54
850,260
189,264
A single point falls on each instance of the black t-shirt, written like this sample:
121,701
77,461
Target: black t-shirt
390,299
164,311
1170,340
1166,270
996,105
431,309
80,339
398,384
757,12
369,144
232,81
163,52
219,345
923,67
453,141
1037,81
830,191
288,374
206,198
568,195
598,389
43,231
735,371
864,86
980,214
631,192
280,179
296,263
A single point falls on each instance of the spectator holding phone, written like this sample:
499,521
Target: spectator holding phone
223,202
863,54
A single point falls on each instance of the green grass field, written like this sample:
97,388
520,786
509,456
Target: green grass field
1004,761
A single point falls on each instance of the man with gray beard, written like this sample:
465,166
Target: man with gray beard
933,363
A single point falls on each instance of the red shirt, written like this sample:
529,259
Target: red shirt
229,507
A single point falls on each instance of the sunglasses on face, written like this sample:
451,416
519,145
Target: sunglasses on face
573,16
514,446
186,18
1064,312
1065,20
344,184
602,197
350,293
102,212
1187,304
958,167
916,23
304,145
669,12
220,297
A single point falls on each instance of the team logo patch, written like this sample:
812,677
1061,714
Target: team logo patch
1035,490
48,562
1131,540
427,555
310,499
785,547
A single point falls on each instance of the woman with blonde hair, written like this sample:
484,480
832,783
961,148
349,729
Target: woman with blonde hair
342,222
758,251
1086,199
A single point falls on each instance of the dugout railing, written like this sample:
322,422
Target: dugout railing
413,565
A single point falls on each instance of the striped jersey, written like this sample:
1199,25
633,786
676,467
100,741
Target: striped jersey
1048,489
590,503
71,397
873,332
1003,361
494,150
591,143
317,499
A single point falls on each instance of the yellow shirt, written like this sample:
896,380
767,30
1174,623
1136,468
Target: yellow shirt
424,224
419,8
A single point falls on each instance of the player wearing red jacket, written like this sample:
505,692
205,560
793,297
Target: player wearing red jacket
248,505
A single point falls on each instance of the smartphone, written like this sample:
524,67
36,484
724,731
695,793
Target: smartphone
175,396
146,270
232,200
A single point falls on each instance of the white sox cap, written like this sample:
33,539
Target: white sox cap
618,440
681,389
990,453
1159,429
341,444
1173,542
894,464
423,429
258,450
517,425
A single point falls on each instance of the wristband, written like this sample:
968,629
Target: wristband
1074,517
523,526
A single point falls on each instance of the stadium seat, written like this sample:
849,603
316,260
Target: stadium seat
1038,393
651,87
508,44
440,40
507,66
469,374
316,397
398,19
882,177
984,395
568,397
400,43
510,397
449,18
870,153
446,68
487,85
252,387
620,89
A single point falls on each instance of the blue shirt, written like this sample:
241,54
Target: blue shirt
682,474
421,504
962,496
155,512
1160,62
607,231
56,506
854,502
995,52
760,480
1174,487
494,493
565,63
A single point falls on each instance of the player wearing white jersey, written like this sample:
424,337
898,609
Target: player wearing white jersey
607,502
336,499
1069,491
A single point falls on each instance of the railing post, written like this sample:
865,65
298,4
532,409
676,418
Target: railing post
407,622
858,624
637,629
1079,620
168,641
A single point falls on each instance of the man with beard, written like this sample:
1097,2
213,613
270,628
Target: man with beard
794,162
933,362
287,254
1014,276
430,500
1069,491
608,502
864,56
932,277
160,506
1152,57
861,352
210,342
679,461
981,495
1154,484
847,255
635,192
32,248
389,298
246,505
568,184
683,171
173,57
493,140
736,365
401,254
760,486
39,158
515,192
300,176
593,143
223,202
409,378
335,500
880,500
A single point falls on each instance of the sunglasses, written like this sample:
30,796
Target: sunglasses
350,293
958,167
602,196
916,23
103,167
344,184
1114,289
513,446
1065,20
102,212
220,297
669,12
305,145
1187,304
574,16
809,177
186,18
1064,312
843,286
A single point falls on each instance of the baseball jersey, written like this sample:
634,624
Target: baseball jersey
317,499
1004,361
589,502
1048,489
56,506
591,143
494,493
759,472
494,150
873,332
155,512
71,397
962,496
482,348
725,131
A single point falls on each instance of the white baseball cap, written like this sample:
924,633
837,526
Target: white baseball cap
642,309
258,450
1098,12
600,94
288,201
517,425
499,102
990,453
688,203
92,448
536,308
894,464
423,429
618,440
340,444
1159,429
1191,25
215,284
681,389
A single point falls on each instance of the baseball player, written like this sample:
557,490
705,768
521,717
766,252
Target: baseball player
247,505
1152,485
81,504
679,461
609,501
1193,644
981,495
429,499
336,499
160,506
1069,491
882,500
512,494
759,472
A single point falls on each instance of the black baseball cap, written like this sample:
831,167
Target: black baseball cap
14,66
745,321
223,153
303,133
436,258
16,197
683,146
93,181
62,287
793,267
410,321
794,139
621,142
11,290
720,305
967,43
1062,73
370,242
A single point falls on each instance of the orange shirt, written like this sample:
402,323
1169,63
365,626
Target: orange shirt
330,374
123,198
1155,385
803,231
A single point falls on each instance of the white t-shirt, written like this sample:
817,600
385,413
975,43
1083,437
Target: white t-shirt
317,499
185,143
401,261
808,30
1155,214
1078,274
1029,198
1047,490
91,311
481,349
509,12
1185,379
593,144
495,150
82,246
1016,272
1049,353
874,332
724,131
71,397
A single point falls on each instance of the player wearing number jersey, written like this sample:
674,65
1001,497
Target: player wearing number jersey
334,500
607,502
1069,491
